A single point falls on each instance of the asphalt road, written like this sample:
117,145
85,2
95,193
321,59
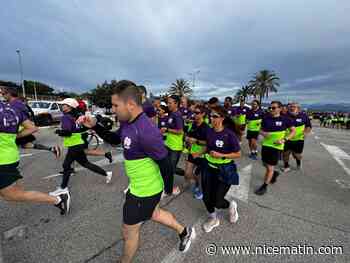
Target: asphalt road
307,208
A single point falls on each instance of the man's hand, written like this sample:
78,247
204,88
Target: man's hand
279,142
87,121
191,140
163,130
196,155
215,154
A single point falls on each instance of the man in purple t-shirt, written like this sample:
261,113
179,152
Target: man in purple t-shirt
27,142
10,189
145,162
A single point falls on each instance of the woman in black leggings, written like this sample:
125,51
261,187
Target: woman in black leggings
220,171
72,139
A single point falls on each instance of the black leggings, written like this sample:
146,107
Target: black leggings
168,178
214,190
76,153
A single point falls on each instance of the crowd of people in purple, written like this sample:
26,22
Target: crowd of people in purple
155,135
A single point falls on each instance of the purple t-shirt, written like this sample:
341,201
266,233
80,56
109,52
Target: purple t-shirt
225,141
231,111
255,115
199,132
163,122
184,112
300,119
175,121
241,111
273,124
20,108
141,139
68,123
149,109
21,118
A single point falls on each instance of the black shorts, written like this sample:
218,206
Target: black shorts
24,140
252,135
294,146
270,155
139,209
195,161
9,174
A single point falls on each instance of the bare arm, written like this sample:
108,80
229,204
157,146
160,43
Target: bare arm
29,128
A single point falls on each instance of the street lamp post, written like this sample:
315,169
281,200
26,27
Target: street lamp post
21,71
193,74
35,95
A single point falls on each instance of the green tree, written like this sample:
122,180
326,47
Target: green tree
263,83
244,92
101,95
41,88
181,88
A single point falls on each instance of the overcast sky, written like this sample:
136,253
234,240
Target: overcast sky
76,44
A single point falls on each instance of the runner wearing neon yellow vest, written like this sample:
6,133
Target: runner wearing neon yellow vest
196,137
72,140
19,105
10,189
174,134
295,145
222,148
254,118
239,118
273,129
146,162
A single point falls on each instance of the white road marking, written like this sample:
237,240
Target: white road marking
26,155
239,192
339,155
104,162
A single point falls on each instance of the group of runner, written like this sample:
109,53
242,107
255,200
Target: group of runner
335,120
154,136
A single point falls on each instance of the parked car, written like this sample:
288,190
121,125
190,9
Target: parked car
46,112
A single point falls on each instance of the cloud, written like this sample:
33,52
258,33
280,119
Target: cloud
77,44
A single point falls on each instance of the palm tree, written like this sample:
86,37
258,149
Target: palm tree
263,83
180,87
244,92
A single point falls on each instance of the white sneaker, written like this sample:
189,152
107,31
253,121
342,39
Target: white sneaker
176,191
211,224
126,190
286,170
233,212
59,191
109,177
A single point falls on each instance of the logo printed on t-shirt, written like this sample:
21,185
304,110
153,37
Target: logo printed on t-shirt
299,120
278,123
170,120
162,123
256,115
219,143
127,143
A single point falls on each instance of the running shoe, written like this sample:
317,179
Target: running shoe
210,224
109,177
64,205
59,191
185,242
233,212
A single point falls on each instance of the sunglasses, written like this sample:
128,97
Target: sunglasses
274,108
197,112
215,116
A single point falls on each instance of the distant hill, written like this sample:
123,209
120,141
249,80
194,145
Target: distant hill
343,107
